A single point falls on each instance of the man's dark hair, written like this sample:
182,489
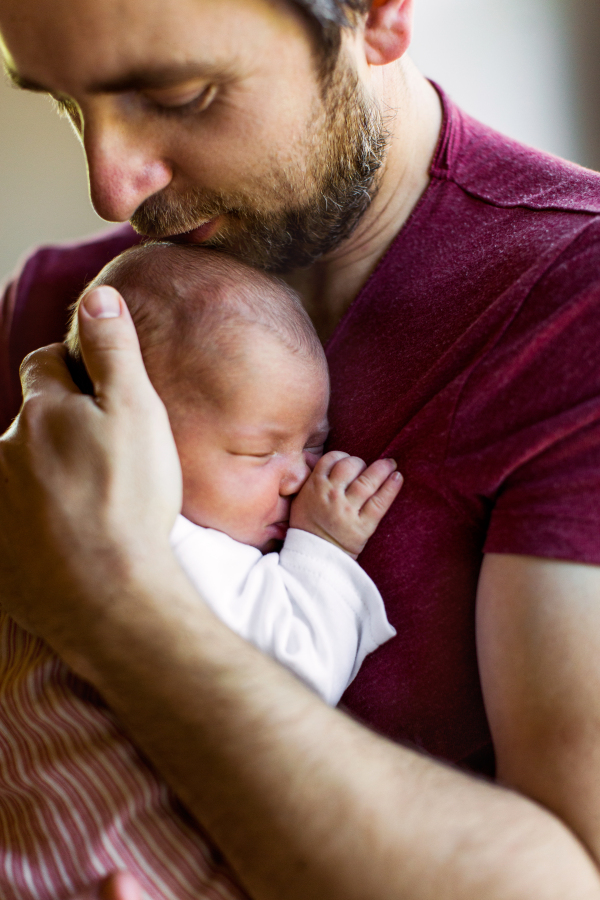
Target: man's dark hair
337,13
329,17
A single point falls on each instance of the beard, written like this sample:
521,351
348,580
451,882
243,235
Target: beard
296,216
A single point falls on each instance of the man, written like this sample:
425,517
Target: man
459,284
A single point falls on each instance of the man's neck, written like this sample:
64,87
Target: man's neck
329,286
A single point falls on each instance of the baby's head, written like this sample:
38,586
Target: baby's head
240,369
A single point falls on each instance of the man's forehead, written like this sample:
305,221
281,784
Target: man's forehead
120,42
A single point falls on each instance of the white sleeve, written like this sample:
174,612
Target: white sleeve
311,607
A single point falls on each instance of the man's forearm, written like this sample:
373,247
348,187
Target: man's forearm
302,800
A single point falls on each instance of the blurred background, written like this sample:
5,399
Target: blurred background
530,68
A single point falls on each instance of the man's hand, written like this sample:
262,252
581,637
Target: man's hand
76,473
344,500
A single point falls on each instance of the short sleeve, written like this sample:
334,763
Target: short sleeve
550,506
526,432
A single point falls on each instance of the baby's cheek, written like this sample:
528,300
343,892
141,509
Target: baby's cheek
203,502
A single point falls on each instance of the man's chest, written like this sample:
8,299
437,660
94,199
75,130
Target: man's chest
439,364
423,686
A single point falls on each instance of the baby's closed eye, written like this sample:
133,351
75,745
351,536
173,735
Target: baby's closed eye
266,455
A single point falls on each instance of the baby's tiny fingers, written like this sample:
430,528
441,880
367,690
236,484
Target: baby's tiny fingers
376,506
345,471
327,462
370,480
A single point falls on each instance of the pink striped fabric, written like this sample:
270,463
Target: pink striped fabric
77,801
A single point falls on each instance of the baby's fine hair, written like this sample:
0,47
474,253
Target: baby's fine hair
200,304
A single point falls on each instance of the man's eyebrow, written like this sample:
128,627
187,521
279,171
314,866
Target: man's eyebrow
135,80
159,77
25,84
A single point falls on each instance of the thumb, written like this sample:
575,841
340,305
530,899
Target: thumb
109,343
120,886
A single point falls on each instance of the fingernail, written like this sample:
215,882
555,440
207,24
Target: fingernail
102,303
397,476
393,462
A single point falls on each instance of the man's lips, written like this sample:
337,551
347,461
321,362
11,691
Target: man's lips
197,235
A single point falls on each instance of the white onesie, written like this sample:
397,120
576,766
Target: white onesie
311,607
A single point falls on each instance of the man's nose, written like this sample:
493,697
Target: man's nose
294,477
124,168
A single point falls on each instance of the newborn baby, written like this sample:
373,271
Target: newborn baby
243,376
76,799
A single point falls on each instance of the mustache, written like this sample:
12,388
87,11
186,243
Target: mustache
162,215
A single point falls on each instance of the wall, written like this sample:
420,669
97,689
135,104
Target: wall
530,68
583,34
43,184
507,63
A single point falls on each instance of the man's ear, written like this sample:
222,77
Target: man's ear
388,30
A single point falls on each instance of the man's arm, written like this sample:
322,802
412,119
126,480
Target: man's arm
302,800
539,652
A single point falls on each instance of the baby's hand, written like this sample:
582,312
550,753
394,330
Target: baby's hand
343,500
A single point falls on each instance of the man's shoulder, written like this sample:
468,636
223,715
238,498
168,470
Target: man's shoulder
495,219
505,173
495,216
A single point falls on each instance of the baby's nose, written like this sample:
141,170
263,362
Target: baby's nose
294,477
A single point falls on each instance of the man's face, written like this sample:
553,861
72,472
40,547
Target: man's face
207,117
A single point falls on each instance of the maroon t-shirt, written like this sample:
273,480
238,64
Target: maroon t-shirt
472,356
